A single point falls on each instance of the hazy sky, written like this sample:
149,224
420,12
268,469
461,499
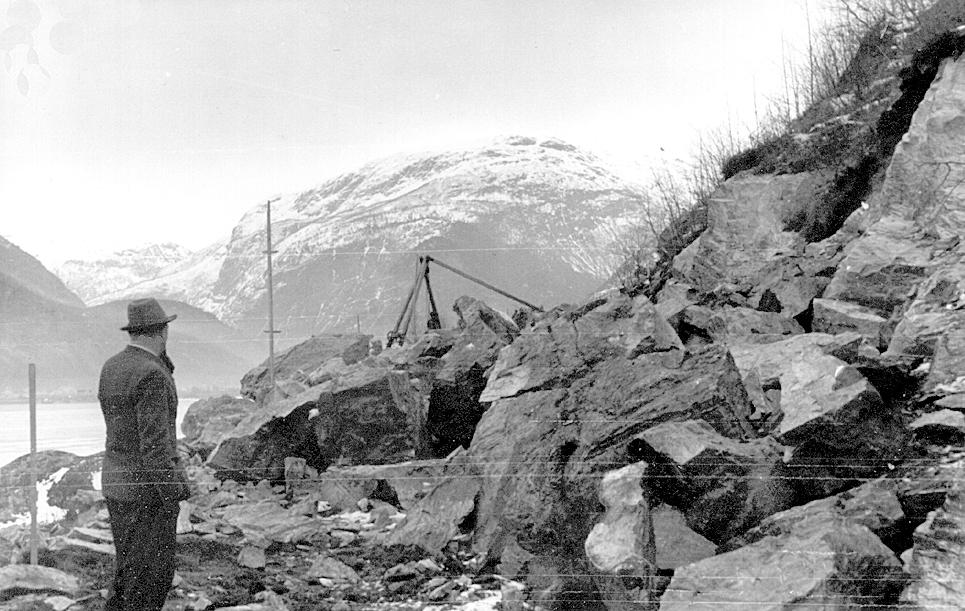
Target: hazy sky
166,120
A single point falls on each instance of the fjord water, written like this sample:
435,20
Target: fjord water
72,427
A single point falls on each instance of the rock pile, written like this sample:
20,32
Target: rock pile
779,426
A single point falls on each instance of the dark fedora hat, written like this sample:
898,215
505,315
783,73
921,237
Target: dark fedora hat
146,313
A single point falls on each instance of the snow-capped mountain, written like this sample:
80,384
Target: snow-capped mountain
537,218
91,280
188,278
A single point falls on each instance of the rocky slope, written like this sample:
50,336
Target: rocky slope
536,218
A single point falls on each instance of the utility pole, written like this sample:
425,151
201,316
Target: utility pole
32,391
271,305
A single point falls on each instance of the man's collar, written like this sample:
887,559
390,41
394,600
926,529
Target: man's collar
145,349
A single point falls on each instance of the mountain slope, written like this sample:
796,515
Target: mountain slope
42,322
25,281
535,218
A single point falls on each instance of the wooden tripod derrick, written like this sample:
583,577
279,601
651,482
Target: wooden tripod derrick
407,315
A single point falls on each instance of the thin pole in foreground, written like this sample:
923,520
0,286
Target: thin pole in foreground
34,538
271,304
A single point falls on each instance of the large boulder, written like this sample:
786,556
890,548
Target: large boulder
294,367
938,555
722,486
365,414
874,505
748,250
370,415
840,428
208,421
746,221
258,445
568,342
446,511
677,544
825,565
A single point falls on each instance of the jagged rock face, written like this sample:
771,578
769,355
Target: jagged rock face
938,557
536,218
746,245
677,545
912,229
257,446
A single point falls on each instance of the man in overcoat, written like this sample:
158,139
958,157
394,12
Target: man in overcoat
143,479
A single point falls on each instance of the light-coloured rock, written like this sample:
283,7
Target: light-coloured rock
621,546
833,416
270,520
404,483
745,230
35,578
207,421
252,557
559,346
942,422
677,544
326,567
834,316
59,603
825,566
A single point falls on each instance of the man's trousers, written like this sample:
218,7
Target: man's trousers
144,539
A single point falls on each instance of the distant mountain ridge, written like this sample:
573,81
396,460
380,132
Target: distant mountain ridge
44,323
535,217
94,279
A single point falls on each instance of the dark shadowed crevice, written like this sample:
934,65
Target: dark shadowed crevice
806,318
